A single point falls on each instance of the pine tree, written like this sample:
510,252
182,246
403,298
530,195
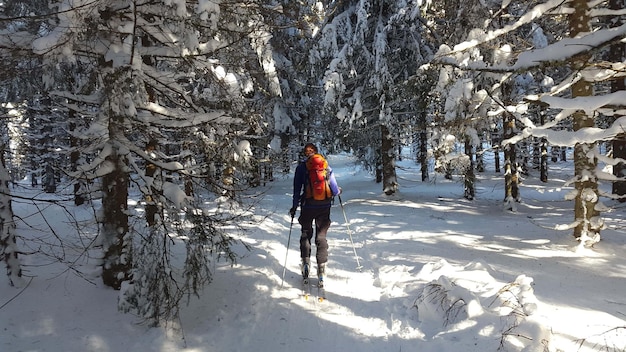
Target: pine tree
571,102
293,114
371,48
19,87
184,82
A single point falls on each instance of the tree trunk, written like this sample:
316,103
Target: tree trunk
511,177
423,145
554,152
584,166
8,243
390,181
378,167
117,245
480,162
619,170
544,161
79,198
151,197
470,176
543,158
496,159
617,54
50,182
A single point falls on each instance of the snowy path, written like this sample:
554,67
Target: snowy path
373,310
249,298
426,234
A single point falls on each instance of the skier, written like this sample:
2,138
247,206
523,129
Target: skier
313,210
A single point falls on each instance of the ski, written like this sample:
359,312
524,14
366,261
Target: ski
306,289
321,291
306,283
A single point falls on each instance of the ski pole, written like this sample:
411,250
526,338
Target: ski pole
359,267
288,240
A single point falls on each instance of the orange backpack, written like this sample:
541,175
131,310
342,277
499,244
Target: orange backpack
318,186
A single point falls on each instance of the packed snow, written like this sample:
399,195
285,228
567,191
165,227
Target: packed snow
439,273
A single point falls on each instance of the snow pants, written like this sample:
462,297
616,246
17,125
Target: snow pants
321,216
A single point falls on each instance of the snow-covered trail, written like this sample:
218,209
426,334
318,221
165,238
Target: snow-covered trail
427,234
396,239
249,298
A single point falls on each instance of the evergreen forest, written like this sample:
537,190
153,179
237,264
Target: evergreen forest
186,106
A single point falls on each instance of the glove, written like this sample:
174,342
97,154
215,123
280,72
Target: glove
292,211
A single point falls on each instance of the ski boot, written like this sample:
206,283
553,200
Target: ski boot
321,271
304,267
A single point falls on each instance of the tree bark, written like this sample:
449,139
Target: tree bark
117,245
423,145
79,198
470,176
543,157
544,161
617,54
390,181
511,186
8,243
584,164
480,162
151,197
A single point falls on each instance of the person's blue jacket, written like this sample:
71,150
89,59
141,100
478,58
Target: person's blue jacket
299,181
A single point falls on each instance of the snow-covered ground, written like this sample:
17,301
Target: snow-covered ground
439,273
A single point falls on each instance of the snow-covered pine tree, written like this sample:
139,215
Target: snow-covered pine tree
19,88
370,48
293,115
469,100
180,75
573,98
582,97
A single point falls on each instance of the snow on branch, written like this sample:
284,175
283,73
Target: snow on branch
179,119
559,51
569,138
